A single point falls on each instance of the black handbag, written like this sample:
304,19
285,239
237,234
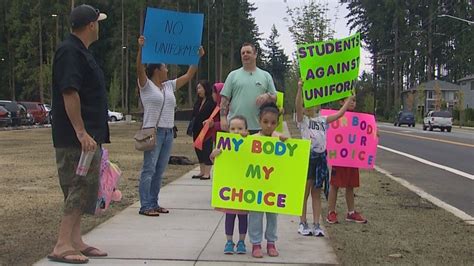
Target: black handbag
175,132
189,131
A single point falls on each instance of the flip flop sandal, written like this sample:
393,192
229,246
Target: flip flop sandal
205,177
93,252
162,210
196,176
149,213
62,257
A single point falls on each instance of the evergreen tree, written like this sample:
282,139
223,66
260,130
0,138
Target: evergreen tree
276,61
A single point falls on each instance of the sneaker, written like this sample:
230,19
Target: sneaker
304,230
257,251
332,217
356,217
229,247
241,249
271,250
317,231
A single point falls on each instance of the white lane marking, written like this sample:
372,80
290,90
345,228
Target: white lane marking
421,160
457,212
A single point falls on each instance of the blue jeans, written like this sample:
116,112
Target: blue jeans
256,227
154,165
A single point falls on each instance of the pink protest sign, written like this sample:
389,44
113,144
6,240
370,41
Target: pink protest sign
352,140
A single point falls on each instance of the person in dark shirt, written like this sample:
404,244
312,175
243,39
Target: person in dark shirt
202,110
79,125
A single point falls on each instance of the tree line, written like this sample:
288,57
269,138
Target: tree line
411,42
31,30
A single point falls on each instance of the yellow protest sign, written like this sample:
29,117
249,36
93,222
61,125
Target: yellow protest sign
260,174
279,103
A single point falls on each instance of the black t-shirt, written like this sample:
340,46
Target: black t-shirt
74,67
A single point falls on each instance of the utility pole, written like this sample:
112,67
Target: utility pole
430,44
127,63
208,40
190,85
396,89
374,79
41,89
122,48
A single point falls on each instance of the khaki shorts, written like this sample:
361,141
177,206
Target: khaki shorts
80,192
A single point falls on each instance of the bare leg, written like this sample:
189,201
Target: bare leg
332,198
79,244
316,200
206,170
201,169
350,199
66,229
309,185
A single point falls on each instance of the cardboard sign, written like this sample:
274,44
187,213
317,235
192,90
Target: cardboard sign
258,173
279,103
329,69
172,37
352,140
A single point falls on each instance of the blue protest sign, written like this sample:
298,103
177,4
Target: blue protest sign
172,37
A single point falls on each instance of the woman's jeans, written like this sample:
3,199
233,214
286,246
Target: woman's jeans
256,227
154,165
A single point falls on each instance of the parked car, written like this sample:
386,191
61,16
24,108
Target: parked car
14,110
438,119
49,116
38,111
115,116
26,117
5,117
405,118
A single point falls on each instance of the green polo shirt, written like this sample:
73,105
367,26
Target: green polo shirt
243,88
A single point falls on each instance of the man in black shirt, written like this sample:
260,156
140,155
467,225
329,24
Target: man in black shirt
79,125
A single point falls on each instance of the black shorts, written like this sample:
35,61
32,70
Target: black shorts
203,155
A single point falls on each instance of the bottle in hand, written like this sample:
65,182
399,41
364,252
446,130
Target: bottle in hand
84,163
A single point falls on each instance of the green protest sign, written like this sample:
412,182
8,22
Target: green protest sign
329,69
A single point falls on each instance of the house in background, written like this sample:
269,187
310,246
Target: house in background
412,101
467,87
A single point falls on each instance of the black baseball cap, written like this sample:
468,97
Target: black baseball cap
85,14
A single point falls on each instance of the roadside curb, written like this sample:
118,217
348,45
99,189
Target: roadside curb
457,212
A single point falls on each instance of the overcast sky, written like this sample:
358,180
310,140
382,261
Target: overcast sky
273,11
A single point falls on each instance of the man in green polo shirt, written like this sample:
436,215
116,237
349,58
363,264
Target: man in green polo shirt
246,89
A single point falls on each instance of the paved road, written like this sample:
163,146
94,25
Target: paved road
454,150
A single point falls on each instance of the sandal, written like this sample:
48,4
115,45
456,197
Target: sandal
62,257
149,213
93,252
162,210
205,177
196,177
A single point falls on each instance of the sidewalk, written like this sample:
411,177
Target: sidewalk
193,234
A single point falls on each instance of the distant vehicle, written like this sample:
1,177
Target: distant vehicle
49,116
26,117
115,116
405,118
438,119
14,110
38,111
5,117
